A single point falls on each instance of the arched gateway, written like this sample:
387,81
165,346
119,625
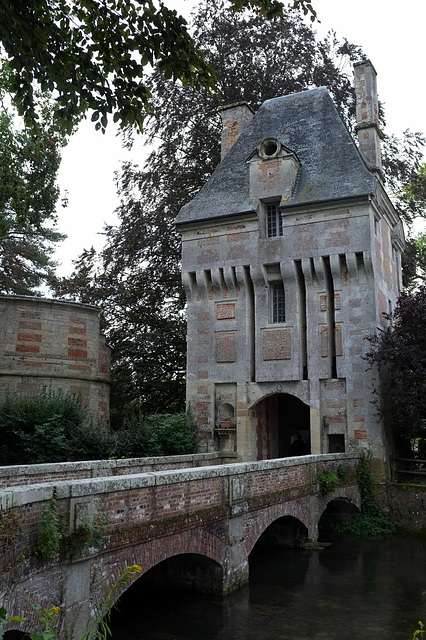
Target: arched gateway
283,427
291,256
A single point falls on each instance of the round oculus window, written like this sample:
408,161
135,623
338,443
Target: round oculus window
269,148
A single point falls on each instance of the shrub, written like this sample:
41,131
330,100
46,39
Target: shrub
57,427
156,435
51,426
328,481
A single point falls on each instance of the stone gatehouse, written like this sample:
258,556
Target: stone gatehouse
291,257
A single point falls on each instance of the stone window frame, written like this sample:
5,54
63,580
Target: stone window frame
273,219
277,302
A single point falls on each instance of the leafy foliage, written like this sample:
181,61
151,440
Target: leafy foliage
56,427
49,427
414,261
29,194
371,521
400,355
156,435
49,541
93,54
328,481
401,161
413,194
420,632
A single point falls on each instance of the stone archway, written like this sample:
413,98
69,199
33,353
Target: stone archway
282,419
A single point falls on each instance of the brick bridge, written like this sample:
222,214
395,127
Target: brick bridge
146,512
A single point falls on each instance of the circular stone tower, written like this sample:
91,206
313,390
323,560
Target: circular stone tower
54,344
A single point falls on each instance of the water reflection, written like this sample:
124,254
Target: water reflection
352,590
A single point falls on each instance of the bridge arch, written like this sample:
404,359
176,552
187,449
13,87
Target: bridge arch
340,509
184,572
283,532
281,420
298,510
197,543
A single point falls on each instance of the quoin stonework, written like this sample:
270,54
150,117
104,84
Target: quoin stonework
291,256
56,345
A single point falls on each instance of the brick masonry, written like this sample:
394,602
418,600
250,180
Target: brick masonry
57,344
217,511
407,506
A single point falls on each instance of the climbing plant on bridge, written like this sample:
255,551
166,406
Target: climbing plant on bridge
371,521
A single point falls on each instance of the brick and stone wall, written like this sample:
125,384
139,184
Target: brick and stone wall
21,475
54,344
217,512
407,506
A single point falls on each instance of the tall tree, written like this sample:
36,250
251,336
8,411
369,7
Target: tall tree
93,53
29,194
400,355
141,292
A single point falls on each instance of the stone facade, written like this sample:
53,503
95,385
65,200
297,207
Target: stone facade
291,255
54,344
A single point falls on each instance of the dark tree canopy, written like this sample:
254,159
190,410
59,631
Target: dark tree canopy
414,261
400,355
94,53
136,277
413,194
29,194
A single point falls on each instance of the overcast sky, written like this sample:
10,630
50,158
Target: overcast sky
392,36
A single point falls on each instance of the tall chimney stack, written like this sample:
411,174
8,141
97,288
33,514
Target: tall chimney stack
235,118
367,115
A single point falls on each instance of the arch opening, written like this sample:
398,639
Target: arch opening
185,572
283,427
337,511
285,532
279,547
14,634
166,584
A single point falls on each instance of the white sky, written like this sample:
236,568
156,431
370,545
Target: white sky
392,35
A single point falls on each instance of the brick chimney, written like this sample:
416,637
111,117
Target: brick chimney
367,115
235,118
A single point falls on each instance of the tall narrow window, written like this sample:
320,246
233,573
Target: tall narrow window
274,224
277,302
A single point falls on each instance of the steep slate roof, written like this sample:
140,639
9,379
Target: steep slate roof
309,124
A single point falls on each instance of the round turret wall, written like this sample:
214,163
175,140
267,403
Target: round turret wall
54,344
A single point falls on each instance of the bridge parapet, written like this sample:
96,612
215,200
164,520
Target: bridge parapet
18,475
216,511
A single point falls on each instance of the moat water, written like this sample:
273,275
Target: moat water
352,590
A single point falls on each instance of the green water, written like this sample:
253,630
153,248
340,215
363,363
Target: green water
352,590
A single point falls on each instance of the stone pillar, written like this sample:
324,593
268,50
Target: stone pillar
235,118
236,567
77,600
367,115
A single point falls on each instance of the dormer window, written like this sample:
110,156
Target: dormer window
274,223
273,174
269,148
